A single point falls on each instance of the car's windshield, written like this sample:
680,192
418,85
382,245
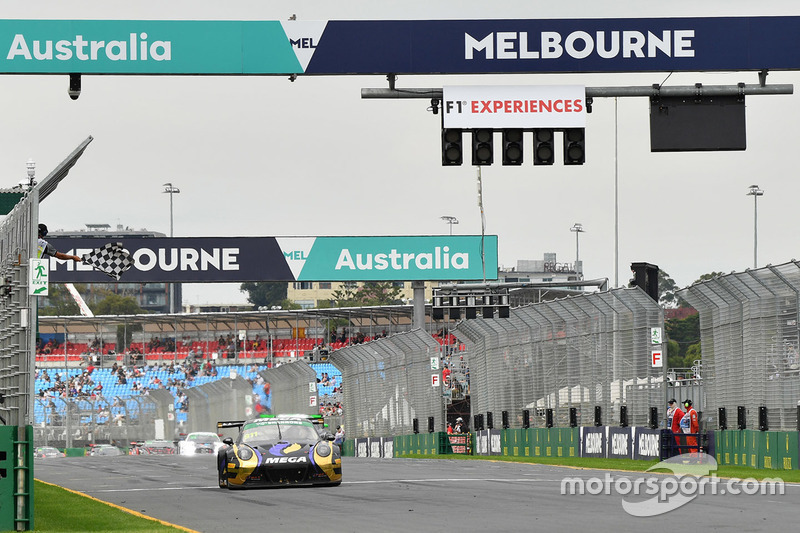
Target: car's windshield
203,438
273,431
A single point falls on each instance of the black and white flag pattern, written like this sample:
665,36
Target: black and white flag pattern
110,259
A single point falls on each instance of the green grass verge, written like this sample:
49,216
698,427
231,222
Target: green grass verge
791,476
59,510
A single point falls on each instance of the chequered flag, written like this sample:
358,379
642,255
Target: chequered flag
111,259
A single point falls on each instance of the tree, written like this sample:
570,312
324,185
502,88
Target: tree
59,302
116,304
686,335
666,291
265,293
706,277
370,293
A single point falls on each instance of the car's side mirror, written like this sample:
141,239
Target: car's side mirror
328,436
228,441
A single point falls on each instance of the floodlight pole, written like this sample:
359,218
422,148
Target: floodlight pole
577,228
169,189
450,220
755,192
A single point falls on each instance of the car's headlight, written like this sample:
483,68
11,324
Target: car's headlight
323,449
245,453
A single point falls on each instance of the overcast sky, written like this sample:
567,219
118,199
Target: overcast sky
262,156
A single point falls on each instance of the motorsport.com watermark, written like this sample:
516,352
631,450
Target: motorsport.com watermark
692,477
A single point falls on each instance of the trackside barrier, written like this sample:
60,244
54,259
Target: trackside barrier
775,450
374,447
7,477
778,450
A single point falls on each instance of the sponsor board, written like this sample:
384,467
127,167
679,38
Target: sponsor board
619,443
374,447
514,106
400,46
593,441
488,442
238,259
646,444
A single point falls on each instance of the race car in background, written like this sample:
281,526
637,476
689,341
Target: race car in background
45,452
200,442
278,451
152,447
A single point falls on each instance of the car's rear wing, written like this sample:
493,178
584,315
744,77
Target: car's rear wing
230,424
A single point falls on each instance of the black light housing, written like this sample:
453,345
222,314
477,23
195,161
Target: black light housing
574,146
512,146
452,147
482,146
543,150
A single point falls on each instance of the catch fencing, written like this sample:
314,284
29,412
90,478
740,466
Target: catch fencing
18,243
749,337
580,352
293,387
223,399
390,382
75,423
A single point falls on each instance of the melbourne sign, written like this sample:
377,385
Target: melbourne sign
235,259
399,46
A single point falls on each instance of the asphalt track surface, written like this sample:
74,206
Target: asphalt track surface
405,495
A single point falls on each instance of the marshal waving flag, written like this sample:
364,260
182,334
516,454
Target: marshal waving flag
110,259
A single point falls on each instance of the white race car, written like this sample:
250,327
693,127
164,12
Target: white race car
200,442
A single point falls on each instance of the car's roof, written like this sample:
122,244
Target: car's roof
275,421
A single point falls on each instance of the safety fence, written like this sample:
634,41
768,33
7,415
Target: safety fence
293,388
749,337
391,382
75,423
580,353
18,244
223,399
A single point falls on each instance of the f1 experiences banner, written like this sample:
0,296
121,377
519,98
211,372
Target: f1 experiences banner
238,259
398,46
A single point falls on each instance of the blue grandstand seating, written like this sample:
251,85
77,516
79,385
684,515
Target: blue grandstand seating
112,389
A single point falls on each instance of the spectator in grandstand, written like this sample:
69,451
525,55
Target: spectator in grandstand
449,428
460,427
446,375
44,248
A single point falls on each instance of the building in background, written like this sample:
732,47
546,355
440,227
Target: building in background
153,297
308,294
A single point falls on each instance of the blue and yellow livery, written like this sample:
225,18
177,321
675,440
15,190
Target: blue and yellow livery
284,450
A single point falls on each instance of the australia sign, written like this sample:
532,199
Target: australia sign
238,259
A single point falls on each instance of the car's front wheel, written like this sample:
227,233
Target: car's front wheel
223,476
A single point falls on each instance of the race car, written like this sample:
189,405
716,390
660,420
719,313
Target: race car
199,442
278,451
152,447
45,452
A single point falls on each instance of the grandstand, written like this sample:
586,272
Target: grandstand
111,400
